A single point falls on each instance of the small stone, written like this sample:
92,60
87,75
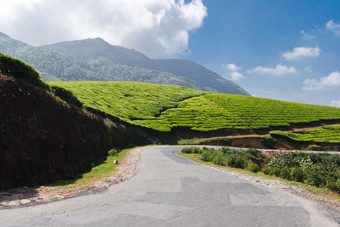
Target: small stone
13,203
60,197
25,201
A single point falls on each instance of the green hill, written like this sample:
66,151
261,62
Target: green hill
164,107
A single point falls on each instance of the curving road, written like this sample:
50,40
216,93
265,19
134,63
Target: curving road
171,191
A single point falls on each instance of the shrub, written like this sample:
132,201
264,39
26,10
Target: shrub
253,167
113,152
265,170
66,95
321,173
220,159
225,150
285,173
306,163
274,171
208,155
334,185
255,156
19,70
269,142
187,150
283,159
297,174
237,161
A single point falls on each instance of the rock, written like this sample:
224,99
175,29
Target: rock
24,201
60,197
13,203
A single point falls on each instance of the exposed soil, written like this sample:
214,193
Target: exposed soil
29,197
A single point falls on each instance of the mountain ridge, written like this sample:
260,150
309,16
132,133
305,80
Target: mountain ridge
96,60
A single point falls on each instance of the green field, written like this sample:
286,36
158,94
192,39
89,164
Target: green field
162,107
329,134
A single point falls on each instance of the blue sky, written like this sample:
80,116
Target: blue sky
281,49
250,34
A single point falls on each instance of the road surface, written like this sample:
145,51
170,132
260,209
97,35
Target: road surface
172,191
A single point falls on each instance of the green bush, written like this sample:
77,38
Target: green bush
66,95
297,174
113,152
321,173
255,156
274,171
265,170
208,155
334,185
225,150
187,150
283,159
253,167
220,159
237,161
19,70
285,173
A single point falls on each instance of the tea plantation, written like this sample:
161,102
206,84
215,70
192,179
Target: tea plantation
163,107
329,134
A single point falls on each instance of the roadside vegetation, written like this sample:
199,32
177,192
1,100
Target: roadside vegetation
314,169
326,134
163,107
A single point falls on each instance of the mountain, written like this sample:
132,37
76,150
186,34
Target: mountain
97,60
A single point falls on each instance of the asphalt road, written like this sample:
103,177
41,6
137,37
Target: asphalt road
171,191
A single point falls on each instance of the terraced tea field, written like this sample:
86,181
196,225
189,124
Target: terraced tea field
328,134
163,107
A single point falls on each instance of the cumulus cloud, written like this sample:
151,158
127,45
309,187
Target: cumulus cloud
330,81
279,70
235,76
158,28
233,73
333,27
302,52
335,103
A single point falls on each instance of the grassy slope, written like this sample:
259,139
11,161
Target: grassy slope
163,107
325,134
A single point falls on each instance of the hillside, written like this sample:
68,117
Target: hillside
165,108
43,138
97,60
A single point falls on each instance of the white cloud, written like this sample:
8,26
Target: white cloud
335,103
235,76
333,27
330,81
158,28
233,73
306,36
279,70
231,67
301,52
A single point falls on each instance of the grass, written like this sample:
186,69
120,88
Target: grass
102,171
324,192
329,134
163,107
